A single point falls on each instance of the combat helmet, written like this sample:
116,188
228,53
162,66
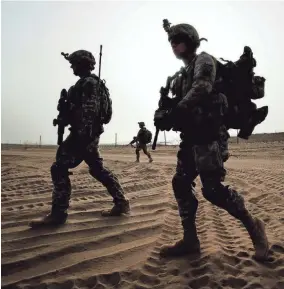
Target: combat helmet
81,56
184,32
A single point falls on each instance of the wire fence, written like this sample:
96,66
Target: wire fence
173,143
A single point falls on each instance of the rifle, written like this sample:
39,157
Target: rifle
164,113
164,92
61,120
133,141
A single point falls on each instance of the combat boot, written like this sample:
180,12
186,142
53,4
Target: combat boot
256,230
117,210
188,245
54,218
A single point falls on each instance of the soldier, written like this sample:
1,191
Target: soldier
82,144
199,116
143,137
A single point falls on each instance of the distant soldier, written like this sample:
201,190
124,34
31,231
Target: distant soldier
87,108
144,137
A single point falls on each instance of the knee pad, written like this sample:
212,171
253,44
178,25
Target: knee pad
93,171
210,194
185,196
181,185
214,191
225,198
58,171
98,171
177,182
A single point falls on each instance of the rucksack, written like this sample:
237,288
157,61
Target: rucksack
148,136
237,81
106,103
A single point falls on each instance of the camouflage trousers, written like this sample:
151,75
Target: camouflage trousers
69,155
207,162
143,147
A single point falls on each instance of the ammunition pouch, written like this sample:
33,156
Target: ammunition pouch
163,119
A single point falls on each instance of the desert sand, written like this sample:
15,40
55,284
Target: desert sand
90,251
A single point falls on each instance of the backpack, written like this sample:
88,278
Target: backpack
106,103
148,136
237,81
145,137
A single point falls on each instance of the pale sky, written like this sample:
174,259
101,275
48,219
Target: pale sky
136,61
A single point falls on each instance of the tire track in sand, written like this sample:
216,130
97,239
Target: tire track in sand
98,253
87,241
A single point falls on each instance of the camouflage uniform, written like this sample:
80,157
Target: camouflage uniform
202,152
69,155
82,145
140,144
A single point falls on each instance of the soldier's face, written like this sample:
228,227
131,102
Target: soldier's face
79,69
179,49
76,69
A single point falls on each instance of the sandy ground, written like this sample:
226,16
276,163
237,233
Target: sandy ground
95,252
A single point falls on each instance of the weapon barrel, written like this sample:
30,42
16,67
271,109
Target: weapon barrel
155,139
60,139
60,133
61,107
